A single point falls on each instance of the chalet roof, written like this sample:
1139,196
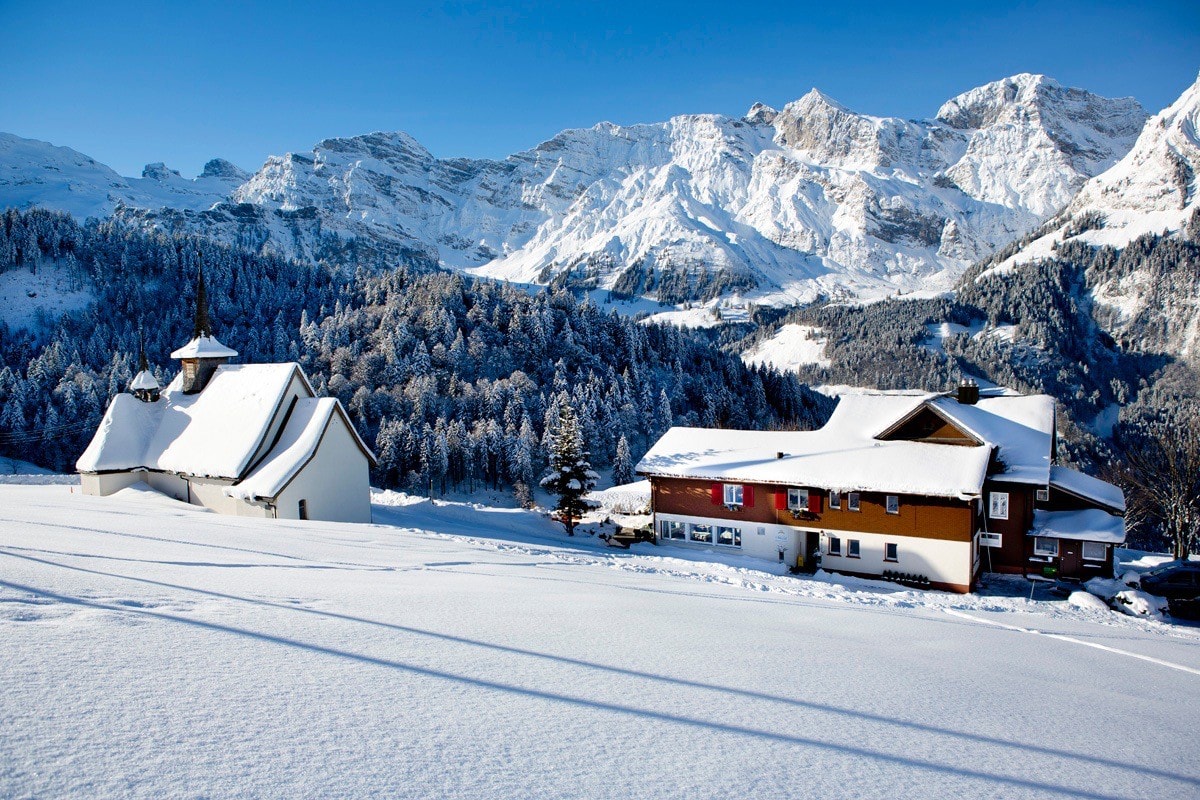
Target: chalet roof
214,433
846,454
298,441
204,347
1089,524
1088,488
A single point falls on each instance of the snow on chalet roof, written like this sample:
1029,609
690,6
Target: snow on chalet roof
204,347
1090,524
1021,426
301,434
1087,487
214,433
843,455
846,455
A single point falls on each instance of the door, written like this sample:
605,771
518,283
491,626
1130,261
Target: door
1070,558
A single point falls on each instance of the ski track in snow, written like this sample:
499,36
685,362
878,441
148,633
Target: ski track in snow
153,649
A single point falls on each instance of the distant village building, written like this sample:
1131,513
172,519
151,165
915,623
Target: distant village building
249,439
931,488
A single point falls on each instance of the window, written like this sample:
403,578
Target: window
991,539
303,509
852,548
852,501
733,494
702,533
835,546
893,504
1095,551
998,506
798,499
674,530
1042,546
891,551
835,499
1043,495
729,536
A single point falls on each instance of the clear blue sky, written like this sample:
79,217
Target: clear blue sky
131,83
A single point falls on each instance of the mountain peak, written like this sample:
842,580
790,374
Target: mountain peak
761,114
159,171
816,97
220,168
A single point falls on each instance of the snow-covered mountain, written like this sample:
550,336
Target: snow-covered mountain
1152,190
34,173
779,206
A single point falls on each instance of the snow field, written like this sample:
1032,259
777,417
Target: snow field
153,649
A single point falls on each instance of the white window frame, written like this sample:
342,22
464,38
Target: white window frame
710,530
1103,551
1043,495
736,535
895,546
989,539
835,499
854,501
893,504
797,499
998,505
1039,550
671,527
853,548
834,546
734,493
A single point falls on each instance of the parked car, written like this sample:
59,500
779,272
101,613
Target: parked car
1179,582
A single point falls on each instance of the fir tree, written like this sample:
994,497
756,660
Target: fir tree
622,464
571,476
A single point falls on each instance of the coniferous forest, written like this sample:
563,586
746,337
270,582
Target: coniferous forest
454,381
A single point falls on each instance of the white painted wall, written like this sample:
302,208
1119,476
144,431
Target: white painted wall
336,482
759,539
108,482
169,484
936,559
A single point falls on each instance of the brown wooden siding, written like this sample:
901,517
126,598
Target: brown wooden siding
1012,552
926,517
928,426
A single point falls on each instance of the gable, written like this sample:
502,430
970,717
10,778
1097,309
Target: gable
925,424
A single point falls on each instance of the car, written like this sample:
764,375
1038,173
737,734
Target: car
1179,583
1179,580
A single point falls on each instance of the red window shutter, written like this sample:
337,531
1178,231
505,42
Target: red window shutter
718,494
747,495
781,501
814,502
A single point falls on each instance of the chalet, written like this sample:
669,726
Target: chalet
248,439
932,487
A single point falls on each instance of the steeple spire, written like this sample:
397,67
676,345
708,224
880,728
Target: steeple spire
144,385
143,364
202,327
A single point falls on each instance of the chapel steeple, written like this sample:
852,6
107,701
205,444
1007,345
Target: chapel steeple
203,354
144,385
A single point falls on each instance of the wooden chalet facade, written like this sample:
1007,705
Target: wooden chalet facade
931,488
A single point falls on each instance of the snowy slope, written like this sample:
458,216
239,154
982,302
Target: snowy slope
34,173
777,207
1152,189
152,650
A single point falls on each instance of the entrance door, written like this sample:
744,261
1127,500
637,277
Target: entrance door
1070,558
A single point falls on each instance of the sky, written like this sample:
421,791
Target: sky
133,83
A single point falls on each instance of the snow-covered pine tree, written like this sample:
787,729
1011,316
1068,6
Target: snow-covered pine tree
571,476
622,464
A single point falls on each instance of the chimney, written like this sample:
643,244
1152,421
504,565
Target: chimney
780,455
968,392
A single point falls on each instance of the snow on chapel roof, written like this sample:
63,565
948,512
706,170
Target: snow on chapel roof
214,433
298,441
144,380
205,347
846,455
